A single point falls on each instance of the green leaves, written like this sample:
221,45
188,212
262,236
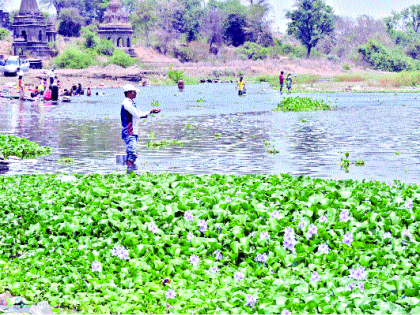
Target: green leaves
21,147
51,231
302,104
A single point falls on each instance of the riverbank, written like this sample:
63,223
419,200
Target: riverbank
307,75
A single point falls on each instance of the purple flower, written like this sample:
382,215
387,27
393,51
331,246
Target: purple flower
347,239
190,236
203,226
323,219
214,269
252,234
344,216
251,300
314,277
120,252
301,224
361,286
289,242
390,183
407,233
395,277
275,214
408,204
170,294
358,274
289,231
228,200
261,258
285,312
350,287
312,230
218,254
238,276
194,260
96,266
387,235
323,249
264,235
153,228
188,215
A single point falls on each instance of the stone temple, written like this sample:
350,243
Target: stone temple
117,28
31,31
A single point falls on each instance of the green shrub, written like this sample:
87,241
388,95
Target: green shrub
383,58
174,74
105,47
120,58
302,104
253,51
74,58
346,66
185,54
4,33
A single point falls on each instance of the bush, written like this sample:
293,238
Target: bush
74,58
3,33
174,74
252,51
383,58
105,47
120,58
185,54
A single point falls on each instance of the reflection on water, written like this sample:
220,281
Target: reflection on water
370,127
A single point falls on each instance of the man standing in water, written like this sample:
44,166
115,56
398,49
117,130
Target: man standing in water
240,86
130,117
180,85
281,79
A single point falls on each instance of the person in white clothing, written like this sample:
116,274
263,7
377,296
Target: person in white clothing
130,117
52,76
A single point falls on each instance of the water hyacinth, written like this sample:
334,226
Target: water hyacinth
323,219
194,260
395,277
407,233
358,274
352,286
238,276
275,215
289,240
285,312
170,294
261,258
301,225
387,235
347,239
344,216
218,254
264,235
189,216
203,226
96,266
408,204
153,228
190,236
312,230
314,277
120,252
323,249
214,269
251,300
228,200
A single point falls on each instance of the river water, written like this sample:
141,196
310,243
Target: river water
382,129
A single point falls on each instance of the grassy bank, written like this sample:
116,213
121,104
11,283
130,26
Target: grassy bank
241,244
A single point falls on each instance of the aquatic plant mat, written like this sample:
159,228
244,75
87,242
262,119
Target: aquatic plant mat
240,244
302,104
21,147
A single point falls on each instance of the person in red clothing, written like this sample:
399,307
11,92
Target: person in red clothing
281,79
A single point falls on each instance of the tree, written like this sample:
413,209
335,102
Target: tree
257,26
310,21
188,18
234,29
212,27
63,4
144,17
71,22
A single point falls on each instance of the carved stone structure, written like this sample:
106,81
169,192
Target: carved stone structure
4,19
31,31
117,28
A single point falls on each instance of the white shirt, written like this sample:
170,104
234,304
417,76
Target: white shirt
20,73
51,74
137,115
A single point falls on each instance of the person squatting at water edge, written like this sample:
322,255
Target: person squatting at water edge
240,85
130,119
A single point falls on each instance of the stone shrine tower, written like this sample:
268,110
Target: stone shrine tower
117,28
31,31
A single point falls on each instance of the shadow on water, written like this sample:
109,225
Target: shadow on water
370,127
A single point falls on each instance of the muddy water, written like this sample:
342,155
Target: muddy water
370,127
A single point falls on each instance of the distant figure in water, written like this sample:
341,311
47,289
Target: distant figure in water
180,85
88,92
144,83
240,86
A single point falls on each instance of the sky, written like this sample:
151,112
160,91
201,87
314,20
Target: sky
353,8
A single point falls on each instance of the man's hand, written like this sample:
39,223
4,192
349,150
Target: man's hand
155,111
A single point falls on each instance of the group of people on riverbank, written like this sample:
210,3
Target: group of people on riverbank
242,90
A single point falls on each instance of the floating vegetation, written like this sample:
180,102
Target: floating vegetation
155,103
163,143
66,160
270,147
345,162
302,104
22,148
217,135
200,100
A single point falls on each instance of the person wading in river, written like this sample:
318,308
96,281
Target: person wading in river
130,117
